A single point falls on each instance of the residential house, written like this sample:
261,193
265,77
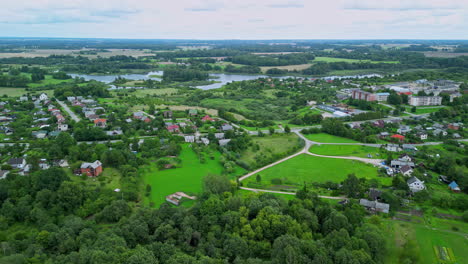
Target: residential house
456,136
139,115
409,147
189,139
193,112
17,163
43,164
93,169
167,114
173,128
425,100
422,135
393,148
40,134
379,123
43,97
399,137
453,186
403,129
226,127
444,179
415,185
219,135
62,127
207,118
384,134
4,174
375,206
23,98
439,132
406,170
224,142
102,123
362,95
454,126
61,163
205,141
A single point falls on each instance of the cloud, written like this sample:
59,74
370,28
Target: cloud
287,4
201,9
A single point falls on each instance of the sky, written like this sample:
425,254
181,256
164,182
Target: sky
236,19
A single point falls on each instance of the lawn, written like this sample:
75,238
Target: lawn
273,145
298,67
331,59
305,168
12,92
424,110
347,150
327,138
48,79
187,178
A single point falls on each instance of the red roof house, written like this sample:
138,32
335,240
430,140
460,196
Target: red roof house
90,169
173,128
399,137
207,118
100,122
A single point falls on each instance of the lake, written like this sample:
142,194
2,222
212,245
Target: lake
220,78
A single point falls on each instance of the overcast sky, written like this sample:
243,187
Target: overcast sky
236,19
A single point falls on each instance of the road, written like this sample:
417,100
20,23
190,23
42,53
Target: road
68,110
290,193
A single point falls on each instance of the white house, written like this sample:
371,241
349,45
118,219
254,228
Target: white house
62,127
406,170
415,184
189,139
205,141
43,97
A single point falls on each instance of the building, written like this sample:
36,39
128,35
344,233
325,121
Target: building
17,163
193,112
189,139
375,206
382,97
205,141
362,95
422,135
415,185
404,129
62,127
226,127
102,123
393,148
406,170
173,128
224,142
207,118
43,97
399,137
453,186
90,169
167,114
425,100
340,114
4,174
454,126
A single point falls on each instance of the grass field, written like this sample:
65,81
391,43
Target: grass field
347,150
331,59
47,81
17,92
428,240
275,144
326,138
424,110
145,92
186,179
309,169
298,67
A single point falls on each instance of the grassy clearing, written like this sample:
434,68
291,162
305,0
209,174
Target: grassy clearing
424,110
187,178
12,92
331,59
305,168
48,80
327,138
145,92
270,145
347,150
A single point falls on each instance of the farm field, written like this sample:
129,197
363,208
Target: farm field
48,80
276,144
331,59
186,179
309,169
327,138
16,92
298,67
346,150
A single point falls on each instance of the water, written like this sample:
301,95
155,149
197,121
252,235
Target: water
220,78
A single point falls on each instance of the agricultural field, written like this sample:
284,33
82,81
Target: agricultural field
188,178
48,80
331,59
294,172
327,138
347,150
298,67
72,52
17,92
278,144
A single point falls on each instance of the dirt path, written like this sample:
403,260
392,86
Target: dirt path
69,111
290,193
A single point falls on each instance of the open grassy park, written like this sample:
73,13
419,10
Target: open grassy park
188,178
347,150
327,138
305,168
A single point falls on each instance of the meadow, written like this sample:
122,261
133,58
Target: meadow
188,178
331,59
308,169
327,138
17,92
347,150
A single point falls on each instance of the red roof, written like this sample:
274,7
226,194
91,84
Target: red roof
398,136
172,127
207,118
100,121
407,93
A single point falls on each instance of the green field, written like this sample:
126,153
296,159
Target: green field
17,92
424,110
186,179
327,138
275,144
305,168
47,81
347,150
331,59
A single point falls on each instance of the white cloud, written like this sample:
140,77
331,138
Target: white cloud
222,19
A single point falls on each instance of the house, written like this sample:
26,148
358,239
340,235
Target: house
399,137
90,169
173,128
456,136
444,179
205,141
379,123
454,187
409,147
219,135
138,115
223,142
62,127
23,98
422,135
207,118
17,163
193,112
40,134
403,130
60,119
226,127
375,206
393,148
415,185
405,157
167,114
102,123
406,170
384,134
61,163
43,164
189,139
454,126
438,132
43,97
4,174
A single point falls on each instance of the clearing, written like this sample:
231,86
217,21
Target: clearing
347,150
327,138
331,59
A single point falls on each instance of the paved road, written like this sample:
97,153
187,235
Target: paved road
290,193
68,110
